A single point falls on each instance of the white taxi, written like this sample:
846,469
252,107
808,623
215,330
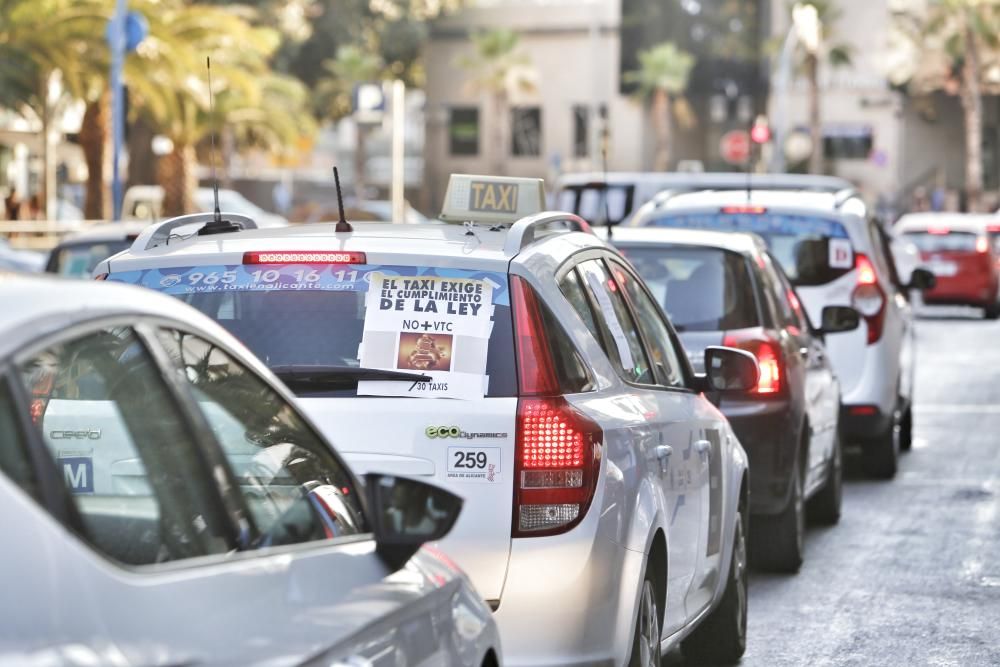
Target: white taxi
517,360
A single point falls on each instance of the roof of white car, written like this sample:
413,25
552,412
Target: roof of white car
959,222
651,236
111,231
821,202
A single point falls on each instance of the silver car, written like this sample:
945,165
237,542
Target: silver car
164,502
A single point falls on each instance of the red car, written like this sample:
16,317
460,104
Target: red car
958,249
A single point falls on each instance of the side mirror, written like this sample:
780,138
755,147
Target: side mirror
838,319
730,370
922,279
405,513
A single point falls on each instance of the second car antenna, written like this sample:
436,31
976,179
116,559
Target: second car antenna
217,225
342,225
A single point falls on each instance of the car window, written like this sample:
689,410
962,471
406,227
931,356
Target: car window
624,344
294,487
788,304
881,240
569,366
14,459
655,332
803,244
701,289
128,460
928,242
571,288
79,260
296,314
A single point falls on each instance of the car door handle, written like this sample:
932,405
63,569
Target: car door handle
663,453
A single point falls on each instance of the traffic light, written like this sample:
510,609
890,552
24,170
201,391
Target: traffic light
760,133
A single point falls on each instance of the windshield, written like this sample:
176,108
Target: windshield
949,242
811,250
79,261
597,203
325,316
702,289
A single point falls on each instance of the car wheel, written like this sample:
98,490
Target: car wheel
778,541
824,507
881,453
992,311
906,431
721,638
646,645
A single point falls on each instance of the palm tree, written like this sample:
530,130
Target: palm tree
42,43
954,46
352,66
501,71
661,78
811,57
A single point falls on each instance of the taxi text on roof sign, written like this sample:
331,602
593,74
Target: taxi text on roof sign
492,198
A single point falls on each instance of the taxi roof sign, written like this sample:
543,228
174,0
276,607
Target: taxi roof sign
497,199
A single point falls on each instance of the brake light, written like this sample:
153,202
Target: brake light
767,351
863,410
305,257
938,230
869,298
982,245
557,447
735,210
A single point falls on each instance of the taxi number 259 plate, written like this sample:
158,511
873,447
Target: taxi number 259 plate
474,464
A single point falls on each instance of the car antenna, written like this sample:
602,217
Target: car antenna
217,225
342,225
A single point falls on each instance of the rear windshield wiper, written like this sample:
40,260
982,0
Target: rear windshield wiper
339,376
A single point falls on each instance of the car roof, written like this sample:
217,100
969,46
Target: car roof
29,299
712,180
473,244
111,231
837,203
959,222
739,242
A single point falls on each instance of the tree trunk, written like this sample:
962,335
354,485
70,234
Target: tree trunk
94,142
815,123
360,158
661,125
177,176
501,144
972,106
141,159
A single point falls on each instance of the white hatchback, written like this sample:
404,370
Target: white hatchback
163,501
519,361
836,255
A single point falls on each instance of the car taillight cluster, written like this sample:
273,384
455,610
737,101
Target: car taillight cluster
869,297
558,448
767,351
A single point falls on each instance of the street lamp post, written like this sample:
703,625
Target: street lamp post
116,40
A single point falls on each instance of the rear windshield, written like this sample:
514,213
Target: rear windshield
598,203
702,289
421,320
950,242
811,250
80,260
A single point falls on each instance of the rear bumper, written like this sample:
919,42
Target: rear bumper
970,292
769,433
568,600
856,427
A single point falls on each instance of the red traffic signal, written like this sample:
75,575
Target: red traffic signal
760,133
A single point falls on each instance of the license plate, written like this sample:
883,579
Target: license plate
474,464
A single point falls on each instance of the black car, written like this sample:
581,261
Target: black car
726,289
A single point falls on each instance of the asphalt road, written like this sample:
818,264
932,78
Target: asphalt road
911,575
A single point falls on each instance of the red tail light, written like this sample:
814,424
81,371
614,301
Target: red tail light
869,297
557,447
304,257
768,353
735,210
